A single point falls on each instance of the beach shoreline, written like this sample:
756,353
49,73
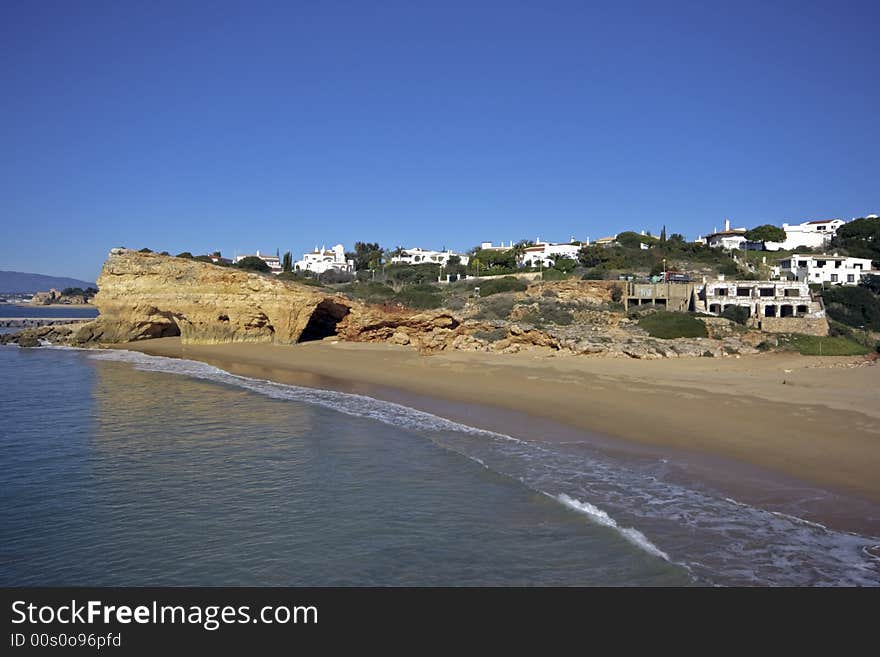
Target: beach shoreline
755,426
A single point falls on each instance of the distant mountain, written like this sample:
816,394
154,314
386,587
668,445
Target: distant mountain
16,282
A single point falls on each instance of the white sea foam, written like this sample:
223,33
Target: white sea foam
600,517
344,402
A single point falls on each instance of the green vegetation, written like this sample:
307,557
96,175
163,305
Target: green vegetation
253,263
859,238
497,307
813,345
854,306
287,263
496,285
736,314
668,325
419,296
87,293
554,275
185,254
298,277
549,312
606,262
766,233
145,250
366,255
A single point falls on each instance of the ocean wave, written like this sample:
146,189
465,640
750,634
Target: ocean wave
344,402
600,517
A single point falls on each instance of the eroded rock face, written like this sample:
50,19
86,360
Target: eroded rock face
146,295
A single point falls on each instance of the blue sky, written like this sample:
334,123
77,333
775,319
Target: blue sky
238,126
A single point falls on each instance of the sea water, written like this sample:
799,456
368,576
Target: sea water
125,469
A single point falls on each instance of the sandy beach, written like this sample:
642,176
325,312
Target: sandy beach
814,419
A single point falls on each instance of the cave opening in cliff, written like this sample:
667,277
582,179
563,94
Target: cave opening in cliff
322,323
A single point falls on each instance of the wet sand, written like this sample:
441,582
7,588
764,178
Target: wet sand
814,420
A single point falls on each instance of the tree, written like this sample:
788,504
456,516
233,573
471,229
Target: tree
663,233
287,262
253,263
860,238
185,254
766,233
366,255
676,238
565,265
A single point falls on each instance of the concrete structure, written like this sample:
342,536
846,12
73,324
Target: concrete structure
545,254
487,246
671,296
812,234
772,306
274,262
728,239
417,256
830,269
323,260
606,241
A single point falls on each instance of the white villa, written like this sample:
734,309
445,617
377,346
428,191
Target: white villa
728,239
320,261
545,254
417,256
833,269
274,262
814,234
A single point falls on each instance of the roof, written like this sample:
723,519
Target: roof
727,233
823,221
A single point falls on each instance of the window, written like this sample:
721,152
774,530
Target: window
802,263
837,264
850,278
820,227
833,278
816,275
820,263
721,292
743,292
858,265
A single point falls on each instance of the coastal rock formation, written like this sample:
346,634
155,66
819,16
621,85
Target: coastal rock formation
53,296
146,295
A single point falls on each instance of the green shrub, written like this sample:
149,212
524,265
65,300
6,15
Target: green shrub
188,255
420,296
369,291
252,263
145,250
498,285
495,308
554,275
813,345
616,293
668,325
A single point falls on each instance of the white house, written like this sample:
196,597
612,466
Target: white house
417,256
728,239
487,246
813,234
832,269
545,254
321,260
274,262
